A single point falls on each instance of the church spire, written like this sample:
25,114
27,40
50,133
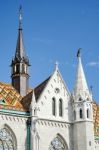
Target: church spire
20,51
20,63
81,83
20,17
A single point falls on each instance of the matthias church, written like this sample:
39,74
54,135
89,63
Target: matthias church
49,116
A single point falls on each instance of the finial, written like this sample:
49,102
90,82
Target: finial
56,65
20,17
79,52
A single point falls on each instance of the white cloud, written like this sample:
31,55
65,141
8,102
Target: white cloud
93,64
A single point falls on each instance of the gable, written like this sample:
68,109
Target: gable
55,88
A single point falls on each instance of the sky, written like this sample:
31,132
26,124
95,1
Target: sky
53,31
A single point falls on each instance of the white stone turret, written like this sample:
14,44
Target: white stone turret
81,90
33,109
83,130
34,135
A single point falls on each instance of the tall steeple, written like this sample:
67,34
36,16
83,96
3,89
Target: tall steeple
81,87
20,63
82,111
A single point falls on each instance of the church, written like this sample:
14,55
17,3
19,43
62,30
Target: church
49,116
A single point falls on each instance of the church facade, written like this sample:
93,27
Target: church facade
47,117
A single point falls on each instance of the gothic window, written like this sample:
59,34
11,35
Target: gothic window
17,68
74,115
23,70
87,113
81,113
60,107
57,144
53,106
7,141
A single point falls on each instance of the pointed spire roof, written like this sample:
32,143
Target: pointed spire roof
81,83
20,51
33,101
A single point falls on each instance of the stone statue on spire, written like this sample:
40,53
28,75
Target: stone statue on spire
79,52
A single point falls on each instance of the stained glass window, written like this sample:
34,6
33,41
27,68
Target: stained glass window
57,144
6,140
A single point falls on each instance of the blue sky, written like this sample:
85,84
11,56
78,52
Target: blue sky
53,31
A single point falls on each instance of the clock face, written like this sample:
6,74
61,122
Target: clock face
56,144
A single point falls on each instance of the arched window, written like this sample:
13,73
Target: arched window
81,113
17,68
7,139
74,115
87,113
60,107
23,70
58,143
53,106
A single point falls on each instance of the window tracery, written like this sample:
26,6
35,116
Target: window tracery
6,140
57,144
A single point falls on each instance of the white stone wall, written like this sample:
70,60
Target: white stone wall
18,126
48,125
47,130
83,136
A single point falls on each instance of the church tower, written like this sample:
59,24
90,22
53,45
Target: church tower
83,130
20,63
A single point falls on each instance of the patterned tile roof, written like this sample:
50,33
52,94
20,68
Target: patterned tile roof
96,118
9,97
